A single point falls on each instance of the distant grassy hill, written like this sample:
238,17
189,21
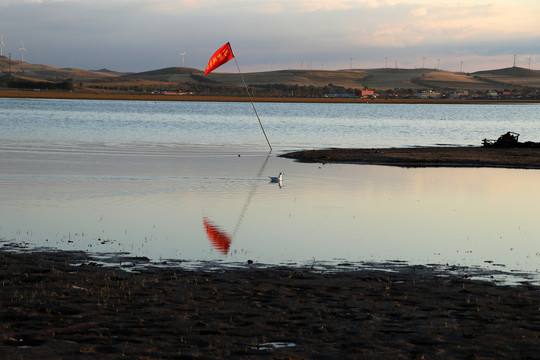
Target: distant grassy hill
381,79
513,76
373,78
345,78
386,78
51,73
176,74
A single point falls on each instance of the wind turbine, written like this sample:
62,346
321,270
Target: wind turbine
22,50
2,44
182,55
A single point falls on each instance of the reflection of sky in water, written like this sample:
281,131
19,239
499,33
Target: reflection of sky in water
288,125
141,176
152,202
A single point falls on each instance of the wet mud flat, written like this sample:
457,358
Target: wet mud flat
64,305
523,158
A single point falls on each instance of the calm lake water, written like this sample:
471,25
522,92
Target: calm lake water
173,180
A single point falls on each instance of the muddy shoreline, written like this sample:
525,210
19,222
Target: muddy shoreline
61,305
521,158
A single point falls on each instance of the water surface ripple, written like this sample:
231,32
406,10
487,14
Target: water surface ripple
142,177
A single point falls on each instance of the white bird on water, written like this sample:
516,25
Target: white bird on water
276,179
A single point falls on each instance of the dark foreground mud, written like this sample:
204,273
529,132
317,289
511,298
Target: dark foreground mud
51,309
524,158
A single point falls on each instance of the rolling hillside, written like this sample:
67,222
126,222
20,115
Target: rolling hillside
514,76
385,78
51,73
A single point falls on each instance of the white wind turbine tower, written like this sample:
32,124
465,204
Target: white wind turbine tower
182,55
2,44
22,50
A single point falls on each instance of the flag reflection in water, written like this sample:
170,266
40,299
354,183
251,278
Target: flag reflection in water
220,240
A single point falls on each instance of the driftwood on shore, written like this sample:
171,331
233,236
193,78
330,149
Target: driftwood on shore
509,140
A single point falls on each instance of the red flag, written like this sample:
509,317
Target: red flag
219,58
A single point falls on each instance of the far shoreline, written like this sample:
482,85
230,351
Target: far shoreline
30,94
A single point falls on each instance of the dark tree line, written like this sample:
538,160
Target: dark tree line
207,87
15,83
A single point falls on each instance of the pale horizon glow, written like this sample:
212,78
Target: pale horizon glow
142,35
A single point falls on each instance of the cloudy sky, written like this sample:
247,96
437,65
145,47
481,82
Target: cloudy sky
140,35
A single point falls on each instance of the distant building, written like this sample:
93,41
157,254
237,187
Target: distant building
492,94
365,93
429,94
457,94
339,95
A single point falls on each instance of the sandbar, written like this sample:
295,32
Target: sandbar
440,156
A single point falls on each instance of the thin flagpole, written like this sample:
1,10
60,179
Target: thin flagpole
252,104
